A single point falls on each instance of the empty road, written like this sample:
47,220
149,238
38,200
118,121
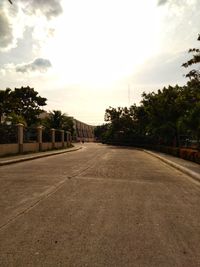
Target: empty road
98,206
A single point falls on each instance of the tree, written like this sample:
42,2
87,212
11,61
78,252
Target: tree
193,74
5,102
163,112
59,120
23,102
156,120
101,131
122,125
28,104
15,119
192,91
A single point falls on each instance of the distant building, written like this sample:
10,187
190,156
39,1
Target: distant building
83,131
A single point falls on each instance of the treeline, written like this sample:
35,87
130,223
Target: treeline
170,116
24,105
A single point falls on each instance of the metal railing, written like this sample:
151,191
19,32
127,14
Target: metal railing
8,134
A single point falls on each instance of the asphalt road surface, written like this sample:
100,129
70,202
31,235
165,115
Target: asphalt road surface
99,206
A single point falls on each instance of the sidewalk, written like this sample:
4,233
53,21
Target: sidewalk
188,167
31,156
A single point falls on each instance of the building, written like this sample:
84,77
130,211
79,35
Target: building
83,131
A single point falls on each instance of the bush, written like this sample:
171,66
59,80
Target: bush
168,150
184,153
190,154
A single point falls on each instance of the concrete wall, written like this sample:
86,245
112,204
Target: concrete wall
46,146
6,149
30,147
58,145
36,146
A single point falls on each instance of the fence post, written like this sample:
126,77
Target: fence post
63,138
70,138
53,138
39,137
20,127
67,138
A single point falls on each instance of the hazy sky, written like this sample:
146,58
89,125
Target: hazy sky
83,55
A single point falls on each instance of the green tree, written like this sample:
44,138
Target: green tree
195,73
5,102
122,125
100,132
164,110
23,102
191,119
28,104
14,119
59,120
163,116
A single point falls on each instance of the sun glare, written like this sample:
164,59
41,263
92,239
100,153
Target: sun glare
103,42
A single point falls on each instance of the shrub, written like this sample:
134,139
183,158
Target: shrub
190,154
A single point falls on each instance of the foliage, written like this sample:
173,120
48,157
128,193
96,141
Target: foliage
195,73
100,131
163,111
190,154
5,102
167,118
13,119
58,120
23,103
122,125
8,134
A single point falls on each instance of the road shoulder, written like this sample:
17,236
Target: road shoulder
26,157
190,168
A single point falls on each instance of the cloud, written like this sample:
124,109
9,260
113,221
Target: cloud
50,8
14,18
178,3
6,35
162,2
39,64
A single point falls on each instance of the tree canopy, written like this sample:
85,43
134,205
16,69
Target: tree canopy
58,120
23,102
165,117
193,74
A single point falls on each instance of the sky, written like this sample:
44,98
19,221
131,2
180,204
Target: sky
87,55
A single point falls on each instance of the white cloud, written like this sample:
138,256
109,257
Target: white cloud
50,8
174,3
6,35
39,64
162,2
33,13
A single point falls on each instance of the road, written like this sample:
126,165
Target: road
98,206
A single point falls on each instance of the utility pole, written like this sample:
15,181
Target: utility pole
128,95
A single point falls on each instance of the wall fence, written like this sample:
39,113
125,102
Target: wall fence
18,139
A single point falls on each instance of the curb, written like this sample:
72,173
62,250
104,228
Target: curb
192,174
11,161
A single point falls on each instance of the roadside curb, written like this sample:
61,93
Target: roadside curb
187,171
32,157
